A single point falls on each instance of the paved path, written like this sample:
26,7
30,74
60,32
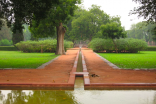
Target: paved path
56,72
107,74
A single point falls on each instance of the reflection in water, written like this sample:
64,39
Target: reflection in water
78,97
39,97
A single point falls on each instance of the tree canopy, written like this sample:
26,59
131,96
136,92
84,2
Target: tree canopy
18,12
85,24
147,9
58,15
142,30
113,30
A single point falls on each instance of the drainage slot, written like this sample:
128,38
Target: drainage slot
79,83
79,64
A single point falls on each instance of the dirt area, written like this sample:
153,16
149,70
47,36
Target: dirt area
56,72
101,72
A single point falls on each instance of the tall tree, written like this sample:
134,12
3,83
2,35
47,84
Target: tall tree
18,12
5,32
57,16
85,25
142,30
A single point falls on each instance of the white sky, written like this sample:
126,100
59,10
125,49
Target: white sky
116,7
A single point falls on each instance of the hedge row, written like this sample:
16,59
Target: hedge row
8,48
123,45
5,42
150,48
42,45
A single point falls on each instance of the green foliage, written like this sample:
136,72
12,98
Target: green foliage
44,45
16,59
150,48
5,42
146,9
5,32
144,59
113,30
8,48
59,13
86,24
123,45
26,32
24,11
68,44
142,30
97,44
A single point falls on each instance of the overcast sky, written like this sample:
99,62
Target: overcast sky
117,7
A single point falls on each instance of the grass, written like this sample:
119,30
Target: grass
144,59
16,59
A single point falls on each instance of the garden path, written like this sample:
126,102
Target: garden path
103,73
56,72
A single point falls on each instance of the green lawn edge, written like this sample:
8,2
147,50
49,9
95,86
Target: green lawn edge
142,60
16,59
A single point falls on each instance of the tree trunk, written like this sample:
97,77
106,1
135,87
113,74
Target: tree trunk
60,40
115,46
17,37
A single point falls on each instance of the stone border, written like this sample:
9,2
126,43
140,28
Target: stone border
40,67
112,86
47,63
108,62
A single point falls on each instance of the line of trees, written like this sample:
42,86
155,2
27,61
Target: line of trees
142,30
85,25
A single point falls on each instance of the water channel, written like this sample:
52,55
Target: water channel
78,95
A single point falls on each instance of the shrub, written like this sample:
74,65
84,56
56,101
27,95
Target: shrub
5,42
150,48
8,48
42,45
123,45
97,44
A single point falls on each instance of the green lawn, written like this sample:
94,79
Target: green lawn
16,59
144,59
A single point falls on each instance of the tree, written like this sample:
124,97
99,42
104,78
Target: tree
18,12
113,30
85,25
5,32
147,9
58,15
142,30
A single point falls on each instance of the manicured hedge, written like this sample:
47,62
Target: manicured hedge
8,48
123,45
150,48
44,45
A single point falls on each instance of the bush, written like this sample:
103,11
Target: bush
8,48
97,44
42,45
5,42
150,48
123,45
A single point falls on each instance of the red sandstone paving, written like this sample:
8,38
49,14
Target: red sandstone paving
56,72
107,74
